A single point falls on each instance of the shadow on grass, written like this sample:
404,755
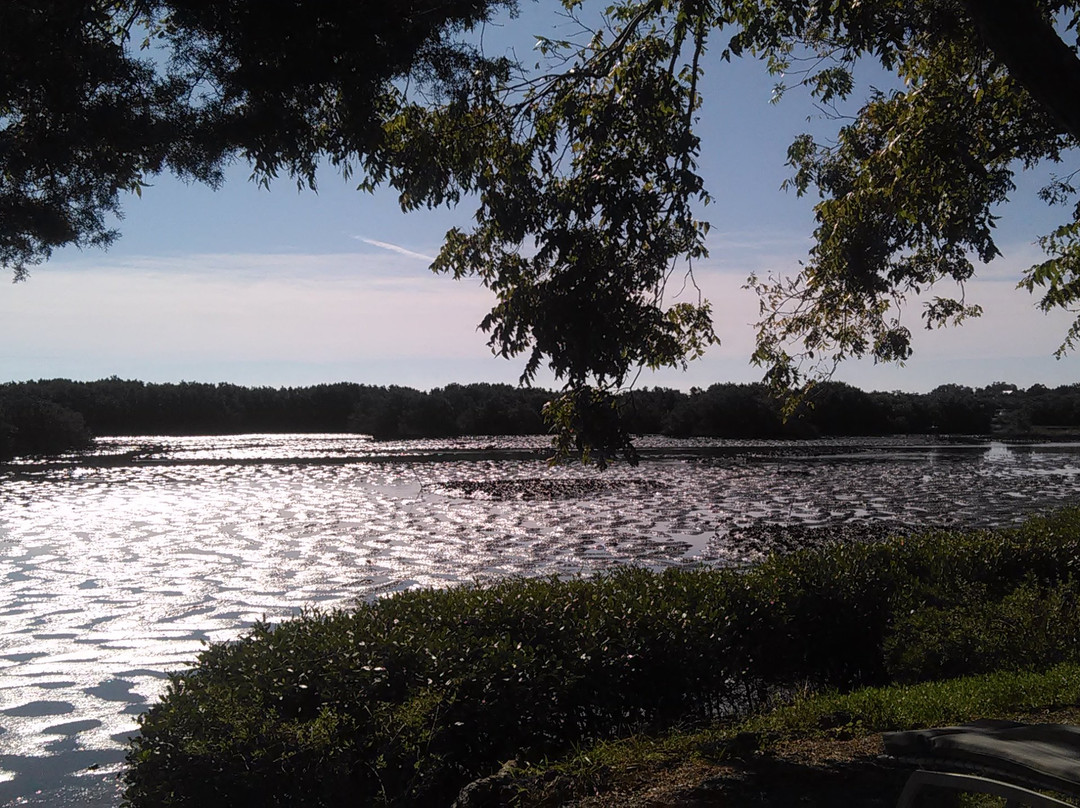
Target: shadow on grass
759,782
773,783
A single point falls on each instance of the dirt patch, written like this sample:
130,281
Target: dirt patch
791,772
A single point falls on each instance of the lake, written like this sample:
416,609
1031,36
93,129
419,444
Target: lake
117,564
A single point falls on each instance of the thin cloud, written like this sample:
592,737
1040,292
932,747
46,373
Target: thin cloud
386,245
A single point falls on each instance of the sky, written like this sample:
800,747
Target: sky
285,288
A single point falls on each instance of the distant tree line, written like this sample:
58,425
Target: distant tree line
44,417
831,409
835,409
48,416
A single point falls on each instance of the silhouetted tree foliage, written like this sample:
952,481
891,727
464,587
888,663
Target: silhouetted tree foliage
834,409
30,425
56,415
97,96
1054,407
42,416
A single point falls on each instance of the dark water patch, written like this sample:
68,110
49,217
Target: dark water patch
70,778
115,690
72,727
95,622
24,657
767,537
36,709
144,672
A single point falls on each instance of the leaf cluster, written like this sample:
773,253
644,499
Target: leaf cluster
585,175
80,121
586,183
909,187
98,97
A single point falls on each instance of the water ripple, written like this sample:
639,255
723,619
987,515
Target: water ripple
117,565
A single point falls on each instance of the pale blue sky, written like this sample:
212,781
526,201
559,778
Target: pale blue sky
285,288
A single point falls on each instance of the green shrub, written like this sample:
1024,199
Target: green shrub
1034,626
403,700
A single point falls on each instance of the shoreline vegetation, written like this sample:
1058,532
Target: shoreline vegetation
58,415
701,684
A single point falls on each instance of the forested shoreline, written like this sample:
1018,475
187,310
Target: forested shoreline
49,416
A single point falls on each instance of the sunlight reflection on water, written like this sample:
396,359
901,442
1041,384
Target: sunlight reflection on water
117,565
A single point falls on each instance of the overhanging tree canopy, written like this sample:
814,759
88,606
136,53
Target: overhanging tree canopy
908,188
582,166
97,95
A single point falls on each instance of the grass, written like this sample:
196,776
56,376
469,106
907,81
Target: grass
829,732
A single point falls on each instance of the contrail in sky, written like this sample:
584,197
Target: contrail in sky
386,245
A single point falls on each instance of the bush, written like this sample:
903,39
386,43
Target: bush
403,700
1033,627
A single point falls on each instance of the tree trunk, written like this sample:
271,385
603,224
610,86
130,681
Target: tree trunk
1035,55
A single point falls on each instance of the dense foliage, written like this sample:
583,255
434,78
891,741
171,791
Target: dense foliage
35,425
53,416
402,700
582,166
97,96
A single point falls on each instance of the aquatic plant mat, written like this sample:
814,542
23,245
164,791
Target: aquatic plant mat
542,488
405,700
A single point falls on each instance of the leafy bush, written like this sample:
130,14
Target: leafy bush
403,700
1034,626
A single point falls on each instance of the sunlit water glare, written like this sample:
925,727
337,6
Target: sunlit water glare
118,564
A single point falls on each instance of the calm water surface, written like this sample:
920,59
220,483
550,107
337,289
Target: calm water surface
118,564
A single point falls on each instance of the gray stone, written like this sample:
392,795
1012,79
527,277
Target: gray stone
490,792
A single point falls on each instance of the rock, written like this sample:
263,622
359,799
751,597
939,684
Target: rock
490,792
